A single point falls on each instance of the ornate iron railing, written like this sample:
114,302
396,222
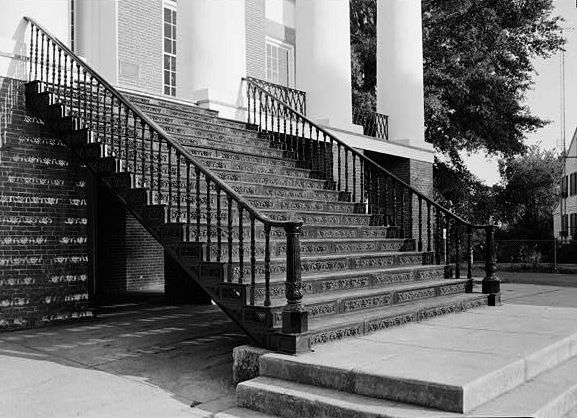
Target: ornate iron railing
374,189
297,99
374,124
196,200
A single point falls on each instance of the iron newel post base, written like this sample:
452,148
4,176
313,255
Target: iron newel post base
491,284
294,315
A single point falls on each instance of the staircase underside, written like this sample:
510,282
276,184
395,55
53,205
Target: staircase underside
359,276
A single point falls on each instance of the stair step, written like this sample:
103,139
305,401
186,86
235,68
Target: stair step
552,394
323,305
329,283
311,265
476,362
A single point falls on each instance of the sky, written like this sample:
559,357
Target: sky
545,98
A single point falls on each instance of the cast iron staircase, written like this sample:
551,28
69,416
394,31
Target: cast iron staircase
299,238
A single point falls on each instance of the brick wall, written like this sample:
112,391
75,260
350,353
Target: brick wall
418,174
140,45
129,258
255,38
43,215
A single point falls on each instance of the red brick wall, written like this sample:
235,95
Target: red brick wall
140,44
43,216
129,258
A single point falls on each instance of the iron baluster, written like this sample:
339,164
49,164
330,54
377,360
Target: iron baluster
252,261
469,252
188,199
457,229
126,137
229,221
428,226
402,214
346,170
159,165
267,264
354,179
208,221
151,159
338,166
420,245
36,53
91,103
170,197
240,245
218,226
42,59
178,192
59,73
197,174
53,64
78,89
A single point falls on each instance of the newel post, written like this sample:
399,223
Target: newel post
294,315
491,284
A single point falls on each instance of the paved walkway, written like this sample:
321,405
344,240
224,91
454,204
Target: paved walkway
152,361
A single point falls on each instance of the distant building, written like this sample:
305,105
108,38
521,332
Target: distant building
565,216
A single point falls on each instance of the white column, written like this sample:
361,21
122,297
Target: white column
400,69
97,36
211,53
323,60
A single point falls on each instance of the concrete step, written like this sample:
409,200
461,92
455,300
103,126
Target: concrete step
551,394
479,362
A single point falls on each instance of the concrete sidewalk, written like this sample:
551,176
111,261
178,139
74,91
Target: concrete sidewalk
148,361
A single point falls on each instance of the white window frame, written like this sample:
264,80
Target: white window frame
291,60
171,5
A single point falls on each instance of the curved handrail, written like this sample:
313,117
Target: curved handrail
369,160
197,164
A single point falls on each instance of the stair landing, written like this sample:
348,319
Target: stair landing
512,360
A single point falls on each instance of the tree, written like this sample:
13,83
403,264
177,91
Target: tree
478,65
364,53
529,193
463,193
478,58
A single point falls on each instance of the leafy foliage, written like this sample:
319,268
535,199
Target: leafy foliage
478,58
478,66
529,193
364,53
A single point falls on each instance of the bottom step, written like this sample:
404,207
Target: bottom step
485,360
552,394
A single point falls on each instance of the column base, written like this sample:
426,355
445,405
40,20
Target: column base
295,322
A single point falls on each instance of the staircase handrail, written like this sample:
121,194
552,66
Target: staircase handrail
277,114
133,108
367,159
232,271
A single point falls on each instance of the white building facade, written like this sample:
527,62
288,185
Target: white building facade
200,51
565,217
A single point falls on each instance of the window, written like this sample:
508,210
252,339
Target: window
573,184
169,56
279,63
564,225
573,225
565,186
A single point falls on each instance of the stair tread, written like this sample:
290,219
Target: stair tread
393,310
367,292
536,395
350,404
343,274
